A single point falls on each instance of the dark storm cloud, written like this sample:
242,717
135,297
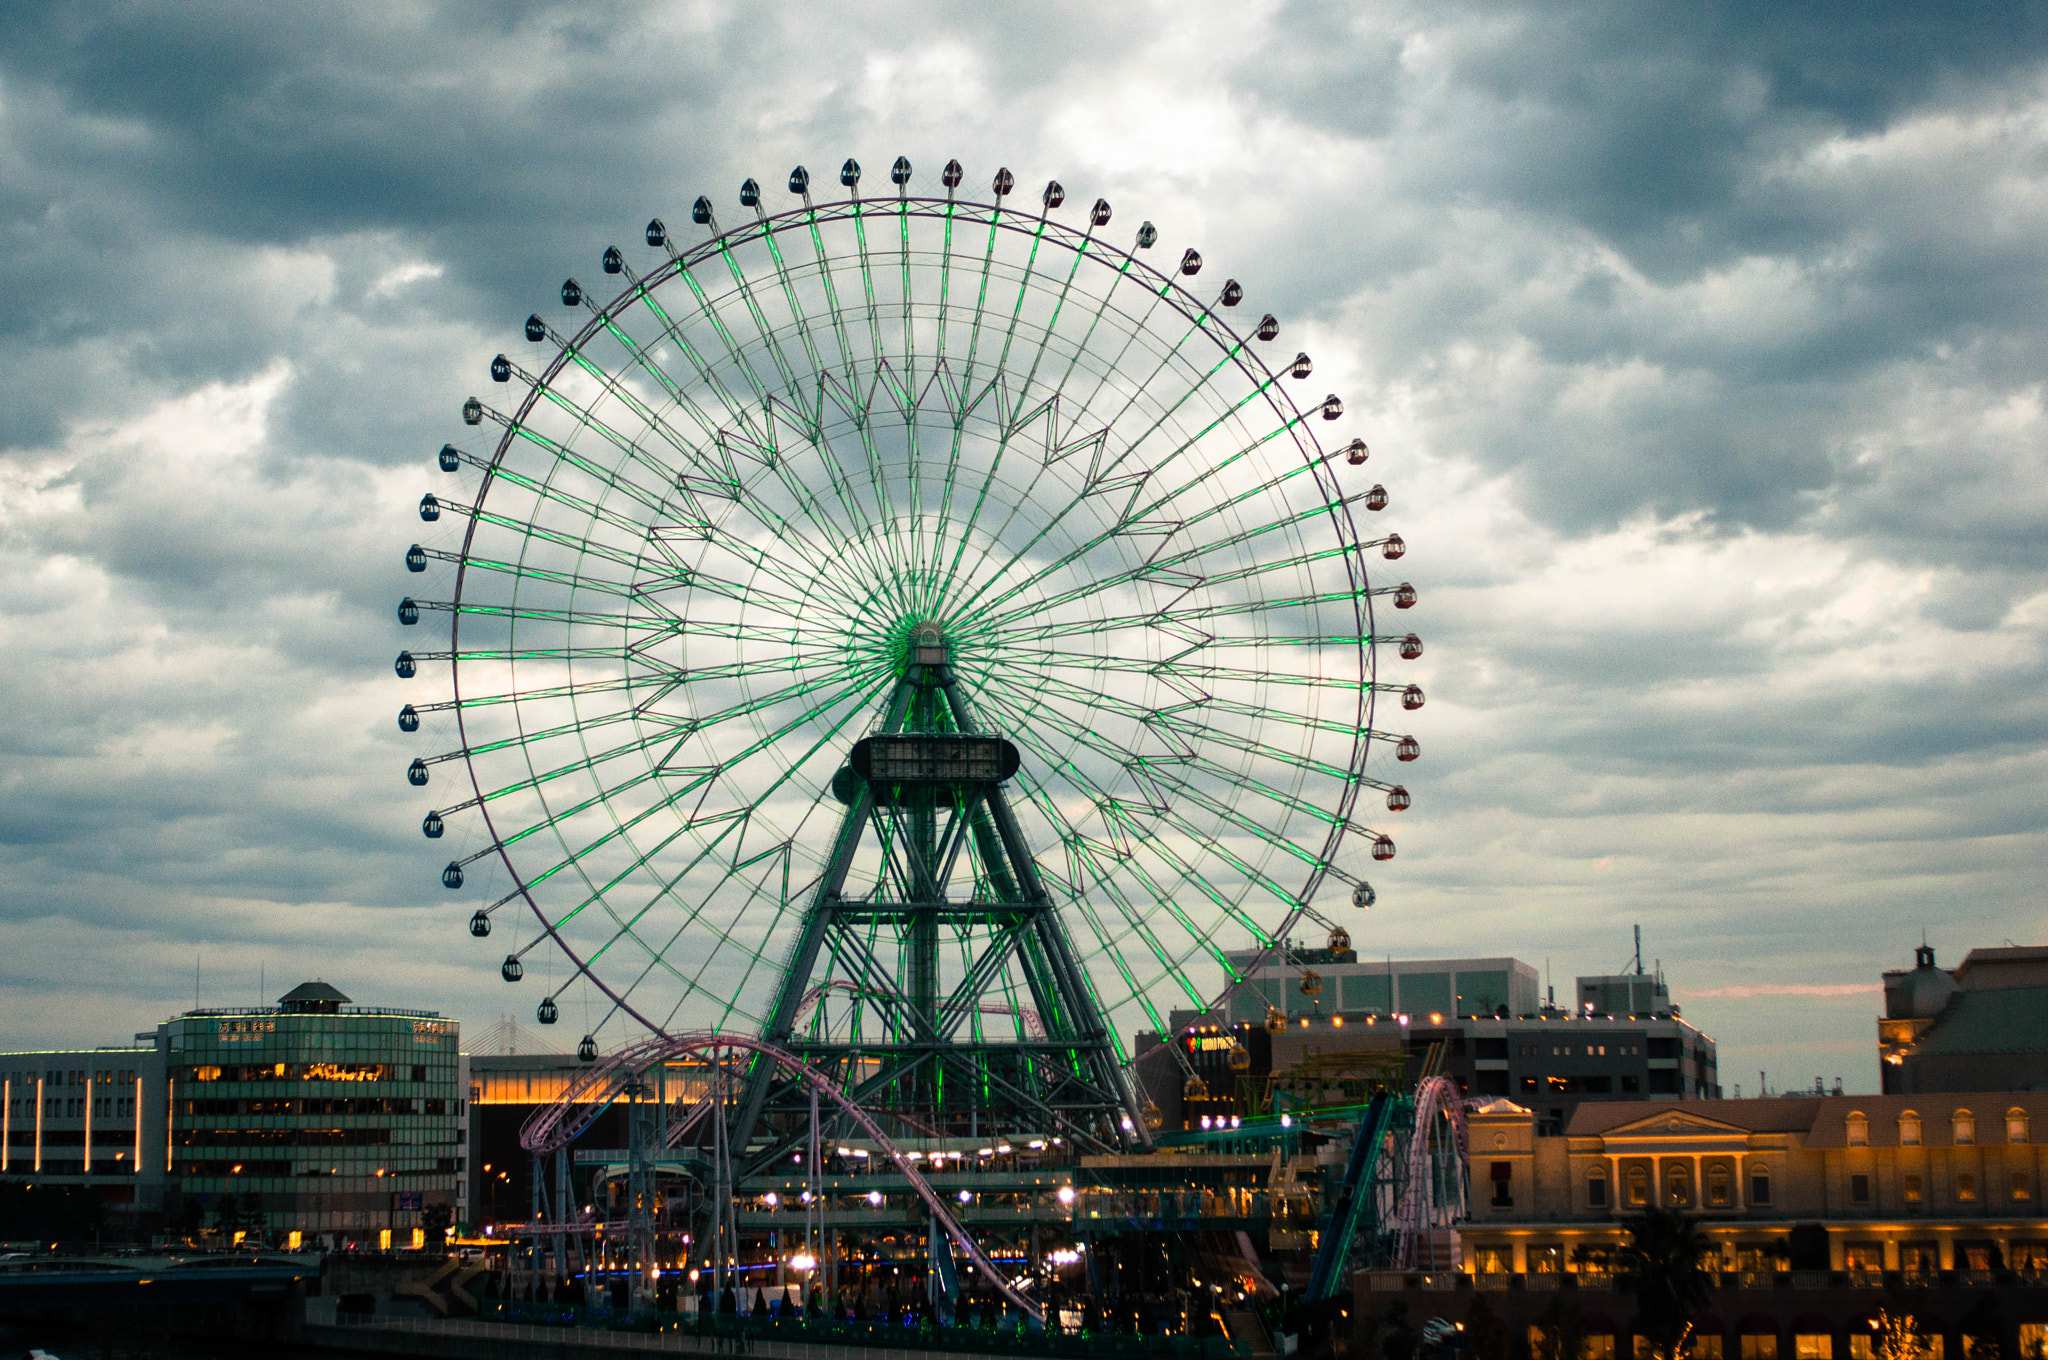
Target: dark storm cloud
1701,347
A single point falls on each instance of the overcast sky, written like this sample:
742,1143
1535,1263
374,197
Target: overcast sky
1701,347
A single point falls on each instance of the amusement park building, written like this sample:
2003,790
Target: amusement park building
315,1116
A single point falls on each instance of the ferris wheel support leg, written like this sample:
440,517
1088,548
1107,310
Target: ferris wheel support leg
1077,1002
796,974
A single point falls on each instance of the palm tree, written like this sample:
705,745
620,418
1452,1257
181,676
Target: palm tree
1660,1266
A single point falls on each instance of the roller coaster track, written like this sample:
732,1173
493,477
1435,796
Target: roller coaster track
1402,1175
553,1127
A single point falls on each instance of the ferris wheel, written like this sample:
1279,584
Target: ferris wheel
720,507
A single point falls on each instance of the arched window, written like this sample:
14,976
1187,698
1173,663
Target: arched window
1965,1126
1717,1186
1759,1185
1909,1129
2015,1125
1596,1188
1638,1187
1678,1187
1859,1129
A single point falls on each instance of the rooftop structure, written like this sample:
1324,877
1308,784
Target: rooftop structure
1981,1026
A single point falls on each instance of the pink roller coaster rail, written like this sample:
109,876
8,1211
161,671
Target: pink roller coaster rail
555,1126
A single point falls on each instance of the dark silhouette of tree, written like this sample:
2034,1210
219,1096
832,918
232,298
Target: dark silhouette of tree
1660,1267
436,1219
1983,1329
1486,1336
1558,1332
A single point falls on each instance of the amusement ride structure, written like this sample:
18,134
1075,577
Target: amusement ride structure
895,645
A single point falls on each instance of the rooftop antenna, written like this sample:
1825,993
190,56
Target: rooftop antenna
1639,951
195,978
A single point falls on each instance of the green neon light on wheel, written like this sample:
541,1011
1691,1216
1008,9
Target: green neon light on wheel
685,579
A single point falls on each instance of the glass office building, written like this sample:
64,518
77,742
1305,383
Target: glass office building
329,1121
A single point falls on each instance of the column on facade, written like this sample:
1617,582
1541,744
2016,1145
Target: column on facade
40,1099
91,1094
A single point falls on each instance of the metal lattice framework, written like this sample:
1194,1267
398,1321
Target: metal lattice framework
682,577
554,1126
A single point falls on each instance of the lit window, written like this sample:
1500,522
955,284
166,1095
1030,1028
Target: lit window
1965,1126
1909,1129
2022,1185
1717,1185
1759,1346
1966,1186
1638,1186
1911,1185
2016,1125
1859,1129
1813,1346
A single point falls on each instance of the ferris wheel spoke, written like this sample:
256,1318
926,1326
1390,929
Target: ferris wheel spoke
789,295
1086,735
613,386
697,779
672,331
847,357
1104,799
867,280
1134,517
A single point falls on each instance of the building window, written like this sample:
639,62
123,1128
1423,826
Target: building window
1859,1189
1596,1189
1909,1129
1503,1185
1706,1347
1759,1187
1717,1186
1638,1187
1965,1126
1966,1187
1545,1259
2016,1125
1859,1129
2022,1185
1865,1257
1599,1346
1910,1183
1678,1187
1813,1346
1759,1346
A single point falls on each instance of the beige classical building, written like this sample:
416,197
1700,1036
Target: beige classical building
1917,1184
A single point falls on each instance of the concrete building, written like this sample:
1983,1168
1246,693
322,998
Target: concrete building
310,1118
1322,1025
1356,987
1983,1024
92,1117
1865,1184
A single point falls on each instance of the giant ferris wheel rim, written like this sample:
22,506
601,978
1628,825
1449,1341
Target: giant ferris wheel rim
1089,247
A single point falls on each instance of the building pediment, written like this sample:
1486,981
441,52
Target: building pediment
1674,1124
